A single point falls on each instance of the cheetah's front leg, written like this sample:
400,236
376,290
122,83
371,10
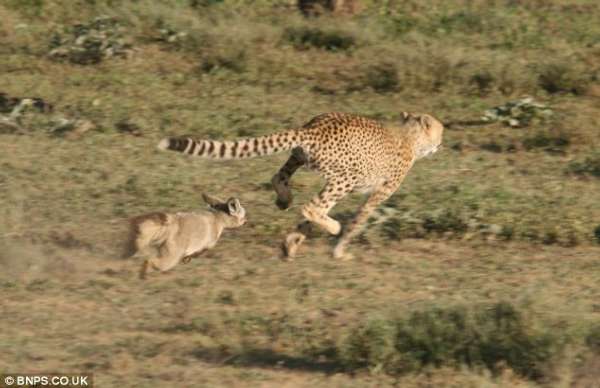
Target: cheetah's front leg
359,221
316,212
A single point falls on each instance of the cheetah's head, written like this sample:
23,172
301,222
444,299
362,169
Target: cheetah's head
427,132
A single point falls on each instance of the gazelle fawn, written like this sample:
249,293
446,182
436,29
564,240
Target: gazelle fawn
180,236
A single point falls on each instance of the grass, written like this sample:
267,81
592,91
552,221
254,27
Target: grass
501,214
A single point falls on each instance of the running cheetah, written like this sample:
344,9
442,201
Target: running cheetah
351,152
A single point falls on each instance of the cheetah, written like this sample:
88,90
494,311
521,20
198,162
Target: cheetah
351,152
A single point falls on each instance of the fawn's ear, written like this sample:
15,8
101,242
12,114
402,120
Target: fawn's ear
233,205
210,200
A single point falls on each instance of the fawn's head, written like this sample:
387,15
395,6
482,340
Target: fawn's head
233,212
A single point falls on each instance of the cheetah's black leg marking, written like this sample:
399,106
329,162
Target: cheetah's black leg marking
281,180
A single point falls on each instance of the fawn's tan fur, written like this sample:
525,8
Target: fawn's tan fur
181,236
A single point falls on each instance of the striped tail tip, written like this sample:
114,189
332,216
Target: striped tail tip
164,144
175,143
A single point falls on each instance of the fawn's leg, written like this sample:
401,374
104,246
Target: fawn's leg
169,257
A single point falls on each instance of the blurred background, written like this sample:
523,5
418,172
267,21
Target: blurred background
482,270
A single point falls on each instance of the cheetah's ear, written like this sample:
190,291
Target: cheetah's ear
211,201
404,117
425,121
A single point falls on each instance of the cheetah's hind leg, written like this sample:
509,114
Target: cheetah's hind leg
281,180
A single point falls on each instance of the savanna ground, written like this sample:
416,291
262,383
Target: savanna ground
483,270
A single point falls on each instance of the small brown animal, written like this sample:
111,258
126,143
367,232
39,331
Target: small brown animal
351,152
181,236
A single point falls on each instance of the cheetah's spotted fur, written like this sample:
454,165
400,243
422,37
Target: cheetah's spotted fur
351,152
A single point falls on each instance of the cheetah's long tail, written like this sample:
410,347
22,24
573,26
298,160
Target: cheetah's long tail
238,149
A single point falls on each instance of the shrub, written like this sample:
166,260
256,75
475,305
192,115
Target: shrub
383,78
491,146
304,38
588,166
592,339
483,82
28,7
547,141
369,346
225,297
597,234
233,60
464,21
561,78
400,24
88,44
436,337
204,3
489,336
448,221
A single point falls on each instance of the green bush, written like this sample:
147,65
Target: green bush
492,146
382,78
561,78
204,3
448,221
92,42
547,141
436,337
483,82
488,336
28,7
588,166
463,21
304,38
592,340
399,24
233,60
369,346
